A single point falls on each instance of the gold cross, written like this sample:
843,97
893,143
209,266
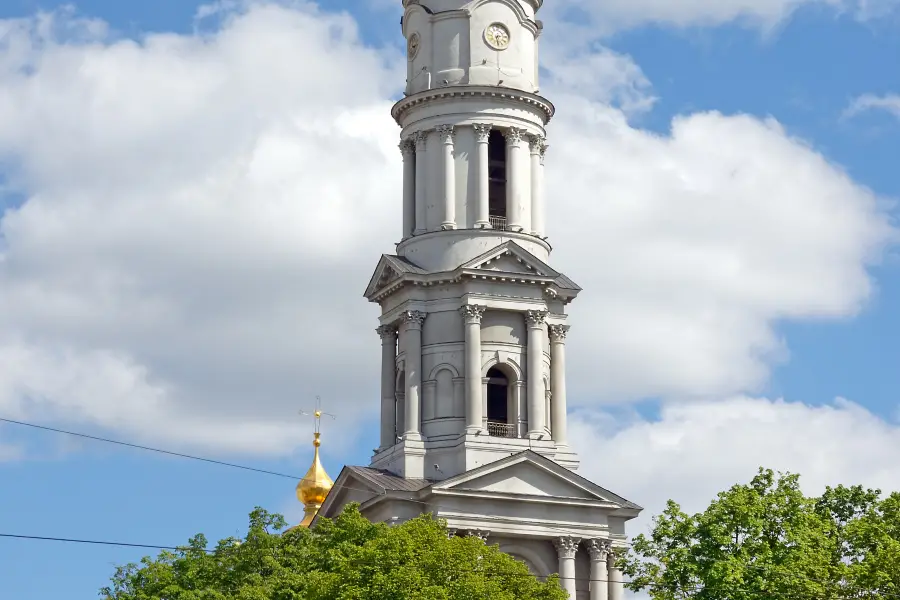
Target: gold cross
317,414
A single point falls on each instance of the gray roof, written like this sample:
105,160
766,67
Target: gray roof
388,481
403,265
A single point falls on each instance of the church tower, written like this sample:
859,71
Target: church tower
473,322
473,316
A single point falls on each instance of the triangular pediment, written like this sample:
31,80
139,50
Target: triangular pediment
390,269
509,257
529,474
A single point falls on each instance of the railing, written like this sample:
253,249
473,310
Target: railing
501,430
498,223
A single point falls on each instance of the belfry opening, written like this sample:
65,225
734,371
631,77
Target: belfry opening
497,177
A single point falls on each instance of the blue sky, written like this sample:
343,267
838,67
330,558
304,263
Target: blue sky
804,72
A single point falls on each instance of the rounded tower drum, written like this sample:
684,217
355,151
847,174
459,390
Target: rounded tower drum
473,317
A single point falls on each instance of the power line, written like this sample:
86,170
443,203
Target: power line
149,449
95,542
221,463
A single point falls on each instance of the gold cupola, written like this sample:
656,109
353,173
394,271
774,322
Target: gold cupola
315,485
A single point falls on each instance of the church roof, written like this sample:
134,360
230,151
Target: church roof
388,481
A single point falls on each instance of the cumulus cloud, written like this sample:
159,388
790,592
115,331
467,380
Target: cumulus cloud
867,102
695,450
200,213
607,17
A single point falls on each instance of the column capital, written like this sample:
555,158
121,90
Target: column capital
514,136
566,546
481,534
536,318
472,313
558,333
413,319
451,533
544,152
421,140
386,331
482,132
599,549
537,144
447,133
407,146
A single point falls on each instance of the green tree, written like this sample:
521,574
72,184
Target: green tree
348,558
766,539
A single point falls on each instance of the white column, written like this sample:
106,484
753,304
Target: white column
421,180
566,547
412,340
447,135
388,335
408,150
472,316
538,146
558,384
482,206
535,351
616,581
514,179
598,550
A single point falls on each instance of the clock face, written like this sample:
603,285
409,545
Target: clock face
497,36
412,46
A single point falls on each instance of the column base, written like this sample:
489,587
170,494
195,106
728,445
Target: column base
483,225
448,226
537,435
419,231
412,436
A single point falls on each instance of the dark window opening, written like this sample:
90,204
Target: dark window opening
497,395
497,179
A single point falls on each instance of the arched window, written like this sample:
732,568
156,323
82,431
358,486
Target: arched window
497,179
498,404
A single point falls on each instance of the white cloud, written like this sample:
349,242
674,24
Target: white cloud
604,18
695,450
888,102
202,214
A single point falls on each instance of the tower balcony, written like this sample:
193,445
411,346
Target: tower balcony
498,223
502,430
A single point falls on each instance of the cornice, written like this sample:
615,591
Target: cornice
463,92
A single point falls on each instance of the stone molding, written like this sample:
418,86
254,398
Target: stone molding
482,132
408,147
386,331
558,333
598,549
421,140
413,318
514,136
447,133
536,318
472,313
481,534
403,106
566,546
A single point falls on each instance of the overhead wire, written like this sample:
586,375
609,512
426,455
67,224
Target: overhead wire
238,466
256,470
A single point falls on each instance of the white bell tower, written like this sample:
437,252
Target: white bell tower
473,317
473,322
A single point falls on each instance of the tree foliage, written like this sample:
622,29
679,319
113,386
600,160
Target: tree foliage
766,539
347,558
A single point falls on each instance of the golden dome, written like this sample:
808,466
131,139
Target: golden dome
314,487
